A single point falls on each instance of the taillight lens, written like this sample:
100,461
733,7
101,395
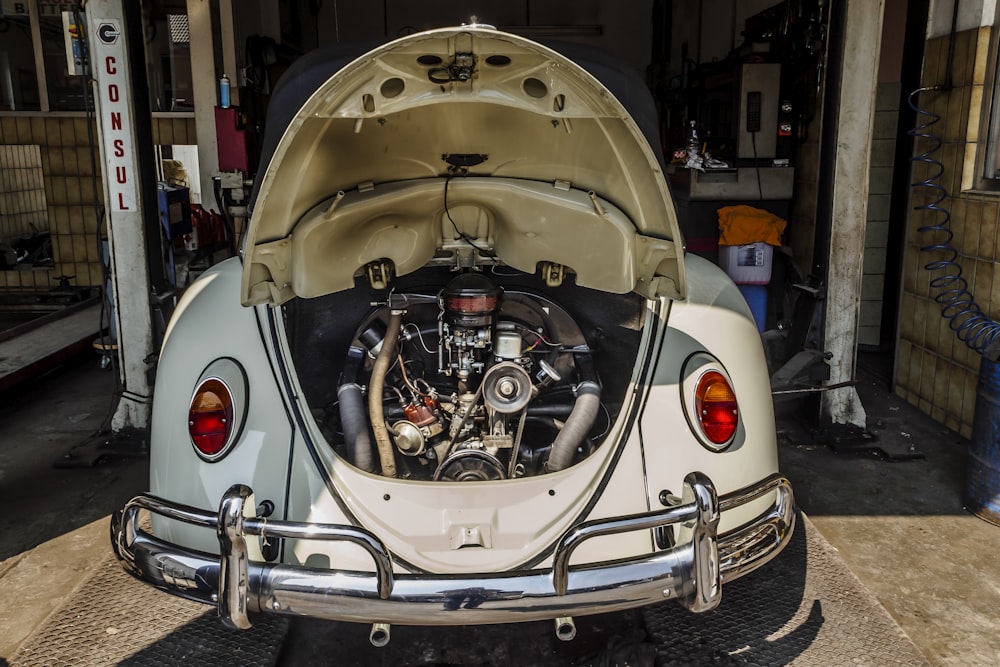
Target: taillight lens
210,417
716,406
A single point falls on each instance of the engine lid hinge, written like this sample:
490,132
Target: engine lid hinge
553,273
380,274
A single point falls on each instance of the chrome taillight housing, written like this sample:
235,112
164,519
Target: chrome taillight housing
218,408
709,401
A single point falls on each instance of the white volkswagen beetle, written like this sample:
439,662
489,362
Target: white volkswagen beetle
463,372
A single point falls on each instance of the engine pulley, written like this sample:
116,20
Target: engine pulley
507,388
470,465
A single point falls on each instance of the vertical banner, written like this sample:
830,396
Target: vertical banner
110,67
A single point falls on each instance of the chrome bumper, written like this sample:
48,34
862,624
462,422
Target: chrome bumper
692,573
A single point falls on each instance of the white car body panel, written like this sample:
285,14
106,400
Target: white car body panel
262,454
420,516
540,118
569,223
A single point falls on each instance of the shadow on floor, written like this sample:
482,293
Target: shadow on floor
833,475
39,422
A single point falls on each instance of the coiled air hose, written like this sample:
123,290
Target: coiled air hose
950,288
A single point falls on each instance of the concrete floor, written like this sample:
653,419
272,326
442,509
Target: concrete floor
54,529
899,526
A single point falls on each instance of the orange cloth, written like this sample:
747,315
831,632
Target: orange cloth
740,225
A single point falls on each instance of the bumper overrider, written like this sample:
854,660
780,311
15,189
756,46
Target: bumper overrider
692,573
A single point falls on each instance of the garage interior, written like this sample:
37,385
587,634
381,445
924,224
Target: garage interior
875,393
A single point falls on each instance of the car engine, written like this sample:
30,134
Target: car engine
473,383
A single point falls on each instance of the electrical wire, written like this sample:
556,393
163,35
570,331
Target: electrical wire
420,336
951,290
539,337
410,384
756,165
607,422
462,235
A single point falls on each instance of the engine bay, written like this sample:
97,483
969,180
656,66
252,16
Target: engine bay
471,377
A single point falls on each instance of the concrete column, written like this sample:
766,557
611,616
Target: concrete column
122,146
36,40
204,82
854,121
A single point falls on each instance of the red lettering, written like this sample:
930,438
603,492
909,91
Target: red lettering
121,202
113,92
119,147
109,65
120,175
116,120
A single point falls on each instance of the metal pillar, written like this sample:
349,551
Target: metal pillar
203,84
854,121
122,106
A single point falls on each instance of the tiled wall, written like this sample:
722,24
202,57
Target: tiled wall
877,225
934,370
22,192
64,146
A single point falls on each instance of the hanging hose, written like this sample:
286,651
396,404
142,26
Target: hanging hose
382,440
951,290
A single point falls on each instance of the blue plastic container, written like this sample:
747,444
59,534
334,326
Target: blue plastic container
756,296
982,480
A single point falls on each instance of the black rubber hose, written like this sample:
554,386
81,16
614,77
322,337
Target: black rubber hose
354,422
353,414
560,411
578,424
585,367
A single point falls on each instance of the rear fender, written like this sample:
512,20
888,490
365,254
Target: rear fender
208,324
714,319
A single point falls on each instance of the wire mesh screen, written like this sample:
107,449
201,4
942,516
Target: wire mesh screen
179,33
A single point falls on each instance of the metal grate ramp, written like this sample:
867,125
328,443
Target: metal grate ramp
112,619
804,608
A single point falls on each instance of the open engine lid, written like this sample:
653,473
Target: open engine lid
461,137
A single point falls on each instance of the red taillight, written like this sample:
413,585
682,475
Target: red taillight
715,402
210,418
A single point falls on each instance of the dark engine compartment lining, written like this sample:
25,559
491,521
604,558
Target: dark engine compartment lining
321,332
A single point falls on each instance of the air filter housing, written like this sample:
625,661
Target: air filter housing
470,301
